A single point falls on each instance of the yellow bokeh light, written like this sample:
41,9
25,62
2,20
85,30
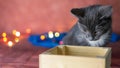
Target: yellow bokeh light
5,39
16,39
57,34
10,43
42,37
17,34
4,34
50,34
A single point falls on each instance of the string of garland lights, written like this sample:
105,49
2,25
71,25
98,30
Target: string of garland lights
49,39
11,40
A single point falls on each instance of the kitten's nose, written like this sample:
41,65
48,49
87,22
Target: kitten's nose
95,38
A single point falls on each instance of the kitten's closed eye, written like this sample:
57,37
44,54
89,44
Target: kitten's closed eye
105,19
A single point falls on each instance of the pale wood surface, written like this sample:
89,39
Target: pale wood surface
75,57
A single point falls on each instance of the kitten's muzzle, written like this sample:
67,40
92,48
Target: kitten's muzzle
95,38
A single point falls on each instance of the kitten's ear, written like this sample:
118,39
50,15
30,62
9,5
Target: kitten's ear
106,11
78,12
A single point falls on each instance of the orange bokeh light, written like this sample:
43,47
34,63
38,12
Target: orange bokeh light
28,30
16,39
42,37
14,32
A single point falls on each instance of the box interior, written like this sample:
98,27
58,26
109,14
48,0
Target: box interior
79,51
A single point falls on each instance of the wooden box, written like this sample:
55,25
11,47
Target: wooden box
64,56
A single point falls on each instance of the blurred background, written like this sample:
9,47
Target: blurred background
24,23
47,15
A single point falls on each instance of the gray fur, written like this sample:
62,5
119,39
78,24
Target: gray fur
93,27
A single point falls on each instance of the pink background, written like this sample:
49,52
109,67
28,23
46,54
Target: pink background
45,15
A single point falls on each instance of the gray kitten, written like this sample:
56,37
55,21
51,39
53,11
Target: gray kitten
93,27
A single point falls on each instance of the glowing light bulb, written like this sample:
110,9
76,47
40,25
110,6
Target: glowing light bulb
5,39
17,34
28,31
14,32
50,34
57,34
10,43
4,34
16,39
42,37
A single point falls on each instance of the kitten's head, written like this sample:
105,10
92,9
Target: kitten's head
96,20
